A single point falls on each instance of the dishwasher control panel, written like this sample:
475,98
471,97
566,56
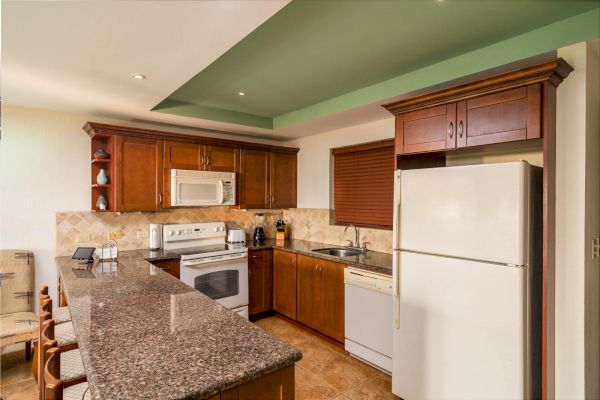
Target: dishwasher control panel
368,280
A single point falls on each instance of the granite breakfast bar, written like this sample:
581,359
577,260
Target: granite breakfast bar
145,335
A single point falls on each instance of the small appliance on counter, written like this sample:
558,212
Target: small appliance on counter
259,231
236,236
155,236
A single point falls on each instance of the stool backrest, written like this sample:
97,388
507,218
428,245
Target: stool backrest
53,387
16,279
45,343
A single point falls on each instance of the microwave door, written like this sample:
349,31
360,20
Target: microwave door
196,192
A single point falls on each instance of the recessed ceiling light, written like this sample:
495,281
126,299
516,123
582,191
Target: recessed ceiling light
138,76
241,94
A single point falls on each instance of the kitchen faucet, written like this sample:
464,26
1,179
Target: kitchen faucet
353,244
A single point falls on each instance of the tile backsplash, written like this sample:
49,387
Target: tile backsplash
72,227
85,228
313,224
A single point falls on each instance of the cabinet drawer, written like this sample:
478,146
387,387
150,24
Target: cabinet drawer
258,256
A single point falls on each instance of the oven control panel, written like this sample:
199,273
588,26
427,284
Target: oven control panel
185,232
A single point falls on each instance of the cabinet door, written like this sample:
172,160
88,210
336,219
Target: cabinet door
182,155
222,159
284,283
500,117
283,180
260,285
309,291
333,300
431,129
140,174
254,179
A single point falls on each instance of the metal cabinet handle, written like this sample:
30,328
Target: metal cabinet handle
460,129
160,199
202,160
451,130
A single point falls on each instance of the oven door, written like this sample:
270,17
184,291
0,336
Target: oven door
223,281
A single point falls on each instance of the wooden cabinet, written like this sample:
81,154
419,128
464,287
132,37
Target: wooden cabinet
254,179
169,266
139,174
220,158
138,162
282,174
320,295
179,155
309,291
500,117
510,107
260,276
267,179
194,156
284,283
431,129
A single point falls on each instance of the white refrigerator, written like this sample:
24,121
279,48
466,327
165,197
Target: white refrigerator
466,282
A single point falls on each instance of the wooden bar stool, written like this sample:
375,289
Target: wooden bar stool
55,388
58,314
64,334
70,371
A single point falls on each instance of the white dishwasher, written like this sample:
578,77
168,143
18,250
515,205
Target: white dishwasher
368,317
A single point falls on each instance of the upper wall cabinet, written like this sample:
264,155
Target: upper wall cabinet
505,108
136,164
267,179
181,155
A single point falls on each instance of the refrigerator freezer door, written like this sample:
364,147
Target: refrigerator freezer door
462,332
478,212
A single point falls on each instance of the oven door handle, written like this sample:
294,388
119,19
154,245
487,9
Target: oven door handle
211,262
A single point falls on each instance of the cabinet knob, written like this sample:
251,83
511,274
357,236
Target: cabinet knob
451,130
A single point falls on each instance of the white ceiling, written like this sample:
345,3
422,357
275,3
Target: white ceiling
79,56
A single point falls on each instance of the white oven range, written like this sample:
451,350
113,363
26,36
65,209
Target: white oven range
209,264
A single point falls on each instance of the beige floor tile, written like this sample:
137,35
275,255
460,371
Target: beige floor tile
342,397
310,387
23,390
378,387
344,373
313,353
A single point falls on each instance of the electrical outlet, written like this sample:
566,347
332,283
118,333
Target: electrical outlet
116,235
84,237
595,248
142,234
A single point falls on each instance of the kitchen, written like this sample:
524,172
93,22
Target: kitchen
51,199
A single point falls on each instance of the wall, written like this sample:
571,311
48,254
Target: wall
44,169
577,222
310,221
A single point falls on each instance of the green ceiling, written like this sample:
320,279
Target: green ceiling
315,58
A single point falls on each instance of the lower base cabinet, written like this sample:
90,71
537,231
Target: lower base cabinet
260,285
278,385
320,295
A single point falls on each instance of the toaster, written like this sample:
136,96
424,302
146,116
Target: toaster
236,235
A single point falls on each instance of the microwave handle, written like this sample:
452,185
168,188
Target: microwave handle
221,191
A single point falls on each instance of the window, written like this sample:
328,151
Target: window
363,185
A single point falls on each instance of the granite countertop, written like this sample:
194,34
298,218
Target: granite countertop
144,334
371,260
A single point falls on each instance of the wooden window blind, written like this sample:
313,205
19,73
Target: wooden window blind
363,185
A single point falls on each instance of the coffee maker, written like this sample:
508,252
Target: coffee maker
259,231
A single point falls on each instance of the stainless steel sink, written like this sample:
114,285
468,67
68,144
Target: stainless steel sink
338,252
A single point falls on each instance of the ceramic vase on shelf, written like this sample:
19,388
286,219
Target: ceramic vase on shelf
101,203
100,154
102,179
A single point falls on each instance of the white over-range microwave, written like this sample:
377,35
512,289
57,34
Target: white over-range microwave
202,188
